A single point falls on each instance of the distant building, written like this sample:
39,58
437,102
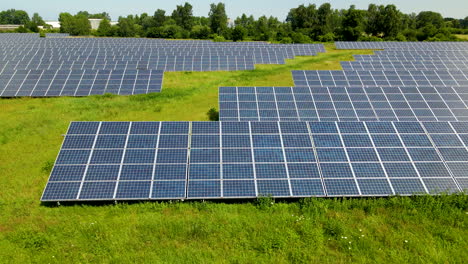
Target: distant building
9,27
94,23
54,24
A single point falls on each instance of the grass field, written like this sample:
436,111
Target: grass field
391,230
463,37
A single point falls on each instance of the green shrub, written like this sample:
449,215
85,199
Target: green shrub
213,114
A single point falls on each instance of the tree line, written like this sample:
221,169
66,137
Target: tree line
303,24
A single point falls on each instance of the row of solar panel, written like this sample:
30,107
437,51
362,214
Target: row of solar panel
159,50
402,45
79,83
409,58
421,52
405,65
134,55
343,104
380,78
410,163
170,67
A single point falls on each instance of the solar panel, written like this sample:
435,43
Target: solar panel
388,45
49,83
403,65
381,78
216,160
340,103
60,66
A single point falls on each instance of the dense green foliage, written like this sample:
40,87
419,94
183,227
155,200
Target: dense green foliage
303,24
75,25
388,230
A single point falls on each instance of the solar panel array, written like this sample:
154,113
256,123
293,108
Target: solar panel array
209,160
388,45
404,65
394,123
40,83
381,78
27,55
339,103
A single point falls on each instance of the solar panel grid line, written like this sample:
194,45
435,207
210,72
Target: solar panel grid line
296,109
442,157
187,171
348,159
372,106
449,108
276,103
24,79
221,166
285,159
412,110
7,84
314,147
380,160
411,159
50,84
88,160
156,152
333,103
127,136
254,165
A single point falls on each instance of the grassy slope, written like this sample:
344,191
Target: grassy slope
462,37
30,136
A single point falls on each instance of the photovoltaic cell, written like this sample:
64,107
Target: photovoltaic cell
128,161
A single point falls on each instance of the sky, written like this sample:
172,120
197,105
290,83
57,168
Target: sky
49,9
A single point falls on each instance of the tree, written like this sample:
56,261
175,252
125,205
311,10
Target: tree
324,17
126,27
105,28
239,33
352,24
102,15
391,21
218,18
77,25
66,21
14,17
37,19
303,17
200,32
159,18
183,16
247,22
426,18
80,26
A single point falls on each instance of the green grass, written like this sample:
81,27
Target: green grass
462,37
393,230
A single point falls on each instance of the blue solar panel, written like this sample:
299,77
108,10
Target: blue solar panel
376,159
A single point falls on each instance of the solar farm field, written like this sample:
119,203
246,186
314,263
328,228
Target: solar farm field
417,229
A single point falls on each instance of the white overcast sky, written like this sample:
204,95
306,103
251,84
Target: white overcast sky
49,9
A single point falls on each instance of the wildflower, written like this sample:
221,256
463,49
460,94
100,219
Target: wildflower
406,241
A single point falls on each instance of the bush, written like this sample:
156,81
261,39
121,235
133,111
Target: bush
213,114
400,37
21,29
286,40
370,38
239,33
300,38
200,32
329,37
42,34
217,38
